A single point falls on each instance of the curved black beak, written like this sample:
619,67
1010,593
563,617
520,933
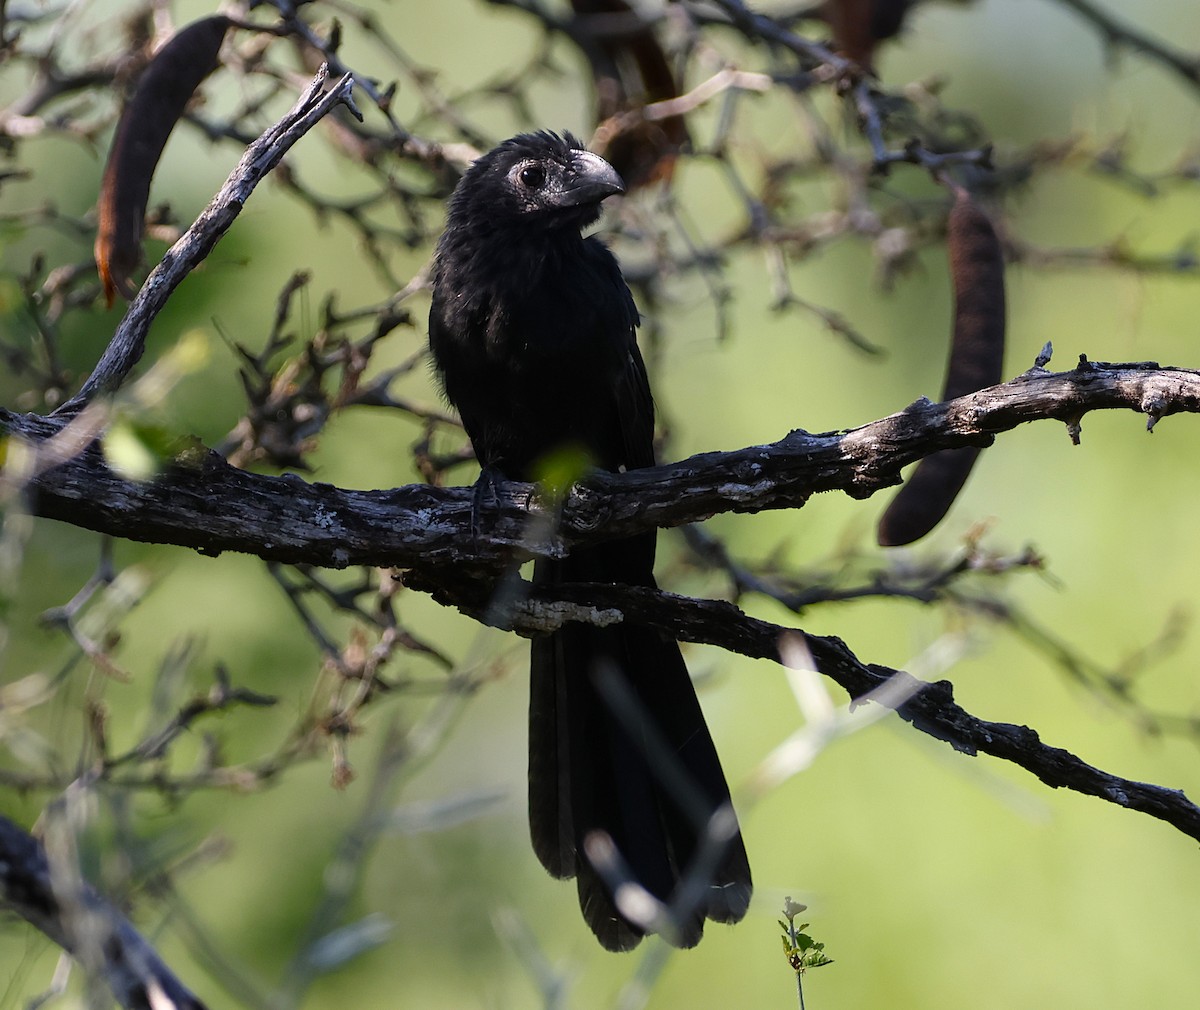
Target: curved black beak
590,180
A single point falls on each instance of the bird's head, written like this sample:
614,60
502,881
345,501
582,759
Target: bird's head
539,181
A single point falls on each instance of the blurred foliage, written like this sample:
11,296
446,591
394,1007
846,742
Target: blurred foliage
340,818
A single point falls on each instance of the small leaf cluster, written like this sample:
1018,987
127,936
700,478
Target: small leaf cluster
800,949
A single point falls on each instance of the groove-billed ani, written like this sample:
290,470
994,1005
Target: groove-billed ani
532,331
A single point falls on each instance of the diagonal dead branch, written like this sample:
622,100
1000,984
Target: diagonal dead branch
931,708
126,347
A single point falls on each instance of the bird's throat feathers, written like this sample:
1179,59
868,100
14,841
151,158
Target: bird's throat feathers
488,261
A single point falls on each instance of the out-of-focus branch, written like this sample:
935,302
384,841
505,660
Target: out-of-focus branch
1120,33
74,916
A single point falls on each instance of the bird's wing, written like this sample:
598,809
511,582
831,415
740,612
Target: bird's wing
632,404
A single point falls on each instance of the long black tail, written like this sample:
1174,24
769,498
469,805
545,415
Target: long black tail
588,770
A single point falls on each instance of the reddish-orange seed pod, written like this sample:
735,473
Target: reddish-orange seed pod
161,95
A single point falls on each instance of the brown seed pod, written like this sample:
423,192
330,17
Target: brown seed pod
631,70
977,271
976,361
888,18
163,91
859,25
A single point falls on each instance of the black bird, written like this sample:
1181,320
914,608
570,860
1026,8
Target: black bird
532,331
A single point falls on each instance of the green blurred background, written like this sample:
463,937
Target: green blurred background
935,880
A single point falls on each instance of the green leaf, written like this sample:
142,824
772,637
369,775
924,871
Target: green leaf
131,451
558,470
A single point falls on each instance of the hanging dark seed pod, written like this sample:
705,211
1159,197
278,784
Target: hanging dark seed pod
976,361
158,101
858,26
631,70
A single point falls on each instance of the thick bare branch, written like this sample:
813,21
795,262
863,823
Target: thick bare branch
204,503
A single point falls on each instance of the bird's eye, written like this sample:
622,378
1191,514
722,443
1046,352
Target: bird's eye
532,176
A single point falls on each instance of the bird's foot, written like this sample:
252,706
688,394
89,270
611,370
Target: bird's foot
486,493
